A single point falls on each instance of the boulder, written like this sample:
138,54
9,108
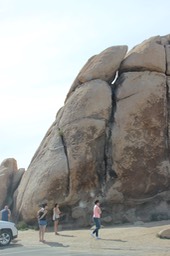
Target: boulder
69,164
164,233
150,55
10,177
139,134
46,178
110,141
17,176
101,66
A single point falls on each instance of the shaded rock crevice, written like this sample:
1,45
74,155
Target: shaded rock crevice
168,118
67,159
110,173
167,73
111,176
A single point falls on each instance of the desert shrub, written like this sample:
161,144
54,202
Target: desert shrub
22,226
159,216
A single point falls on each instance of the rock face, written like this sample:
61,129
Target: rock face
110,141
101,66
10,177
165,234
139,134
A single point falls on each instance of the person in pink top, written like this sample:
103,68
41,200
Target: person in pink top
96,217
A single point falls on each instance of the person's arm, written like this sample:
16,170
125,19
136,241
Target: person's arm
45,212
38,216
59,212
9,214
99,210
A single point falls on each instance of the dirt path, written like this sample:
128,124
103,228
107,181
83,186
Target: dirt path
125,240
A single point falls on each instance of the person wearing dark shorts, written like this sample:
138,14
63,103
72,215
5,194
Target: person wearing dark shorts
42,222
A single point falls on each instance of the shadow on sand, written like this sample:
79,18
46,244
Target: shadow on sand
55,244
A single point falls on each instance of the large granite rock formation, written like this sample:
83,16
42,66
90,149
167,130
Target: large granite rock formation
109,141
10,177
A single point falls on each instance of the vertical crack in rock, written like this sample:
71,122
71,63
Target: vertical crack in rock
168,117
65,151
168,104
110,174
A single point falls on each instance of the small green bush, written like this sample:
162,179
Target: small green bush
159,216
22,226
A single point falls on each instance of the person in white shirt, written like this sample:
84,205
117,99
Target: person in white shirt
56,216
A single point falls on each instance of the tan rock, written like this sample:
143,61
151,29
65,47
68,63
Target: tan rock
7,169
109,142
165,39
114,196
46,178
102,66
83,127
138,134
150,55
165,233
80,215
91,100
85,144
17,178
167,48
68,153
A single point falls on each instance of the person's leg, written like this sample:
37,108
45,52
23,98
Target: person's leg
98,227
97,222
94,231
56,230
43,232
40,233
55,226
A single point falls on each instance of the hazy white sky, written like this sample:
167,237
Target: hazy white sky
44,44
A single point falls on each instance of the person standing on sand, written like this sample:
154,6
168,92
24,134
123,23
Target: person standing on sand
96,217
56,216
5,214
42,222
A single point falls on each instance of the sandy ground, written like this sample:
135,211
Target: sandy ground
124,239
